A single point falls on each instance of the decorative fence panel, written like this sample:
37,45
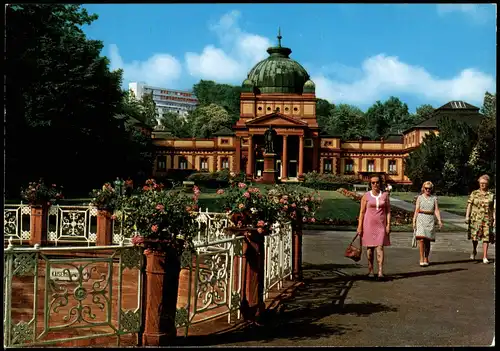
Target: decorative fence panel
17,222
214,283
72,224
69,295
278,257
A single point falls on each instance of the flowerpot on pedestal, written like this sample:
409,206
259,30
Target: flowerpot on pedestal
38,224
104,228
161,283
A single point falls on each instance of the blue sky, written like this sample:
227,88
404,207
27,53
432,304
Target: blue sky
355,53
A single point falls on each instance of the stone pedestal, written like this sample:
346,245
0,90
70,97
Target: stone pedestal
104,228
38,224
269,175
161,284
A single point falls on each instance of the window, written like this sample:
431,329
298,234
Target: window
349,167
259,108
225,163
161,163
295,109
327,165
370,165
183,163
286,109
328,143
269,109
308,143
392,167
277,109
224,141
204,164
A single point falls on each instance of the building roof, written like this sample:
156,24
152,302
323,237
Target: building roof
459,111
394,138
278,73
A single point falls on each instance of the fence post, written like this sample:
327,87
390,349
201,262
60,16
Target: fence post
38,224
104,228
297,250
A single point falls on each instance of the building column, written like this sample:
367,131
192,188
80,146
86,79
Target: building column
237,157
301,156
250,156
284,158
315,160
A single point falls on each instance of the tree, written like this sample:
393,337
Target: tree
206,120
346,121
390,117
61,97
422,113
225,95
323,112
149,113
176,124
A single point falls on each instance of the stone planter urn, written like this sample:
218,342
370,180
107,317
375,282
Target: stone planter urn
161,284
38,224
104,228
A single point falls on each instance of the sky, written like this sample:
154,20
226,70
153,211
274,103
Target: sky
355,53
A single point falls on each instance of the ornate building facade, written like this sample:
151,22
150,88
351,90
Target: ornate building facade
278,92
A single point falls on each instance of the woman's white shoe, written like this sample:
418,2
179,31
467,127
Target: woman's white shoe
485,261
473,255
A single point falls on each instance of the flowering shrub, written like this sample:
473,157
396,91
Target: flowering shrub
296,203
164,217
38,193
247,206
350,194
105,198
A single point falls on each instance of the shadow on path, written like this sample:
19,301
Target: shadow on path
298,317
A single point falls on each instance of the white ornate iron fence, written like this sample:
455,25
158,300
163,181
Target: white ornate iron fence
215,280
16,219
278,257
61,298
72,224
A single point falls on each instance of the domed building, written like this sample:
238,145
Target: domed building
279,96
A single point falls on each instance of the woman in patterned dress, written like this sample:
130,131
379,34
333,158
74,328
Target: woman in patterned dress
480,216
374,224
426,209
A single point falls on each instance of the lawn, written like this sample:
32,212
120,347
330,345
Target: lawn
452,204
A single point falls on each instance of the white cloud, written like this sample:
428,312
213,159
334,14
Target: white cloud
241,52
159,69
480,13
381,76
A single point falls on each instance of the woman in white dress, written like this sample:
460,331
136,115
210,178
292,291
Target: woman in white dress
426,209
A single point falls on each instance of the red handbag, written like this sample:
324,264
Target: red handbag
352,251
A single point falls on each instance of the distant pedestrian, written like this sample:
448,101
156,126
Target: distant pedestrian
388,188
480,216
374,224
426,211
129,186
119,186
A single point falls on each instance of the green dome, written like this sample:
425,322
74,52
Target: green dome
278,73
309,87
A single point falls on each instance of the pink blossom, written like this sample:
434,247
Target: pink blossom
306,208
241,206
154,228
312,220
294,205
260,230
113,217
160,207
220,191
188,208
137,240
285,197
53,185
242,185
246,194
260,223
285,207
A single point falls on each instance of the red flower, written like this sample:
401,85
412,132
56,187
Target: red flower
154,228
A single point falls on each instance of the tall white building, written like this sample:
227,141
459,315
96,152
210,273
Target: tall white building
167,100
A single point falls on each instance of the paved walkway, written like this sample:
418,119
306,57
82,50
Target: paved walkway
449,303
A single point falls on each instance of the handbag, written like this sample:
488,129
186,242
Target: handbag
352,251
414,240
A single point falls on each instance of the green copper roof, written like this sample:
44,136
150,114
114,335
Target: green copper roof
278,73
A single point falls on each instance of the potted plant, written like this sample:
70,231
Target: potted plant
106,200
40,197
164,224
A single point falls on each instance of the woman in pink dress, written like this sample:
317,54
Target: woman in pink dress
374,224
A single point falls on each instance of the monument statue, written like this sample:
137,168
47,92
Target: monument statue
269,137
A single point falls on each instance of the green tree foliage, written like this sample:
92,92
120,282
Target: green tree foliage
323,112
176,124
422,113
148,109
482,158
443,158
225,95
61,99
390,117
206,120
346,121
